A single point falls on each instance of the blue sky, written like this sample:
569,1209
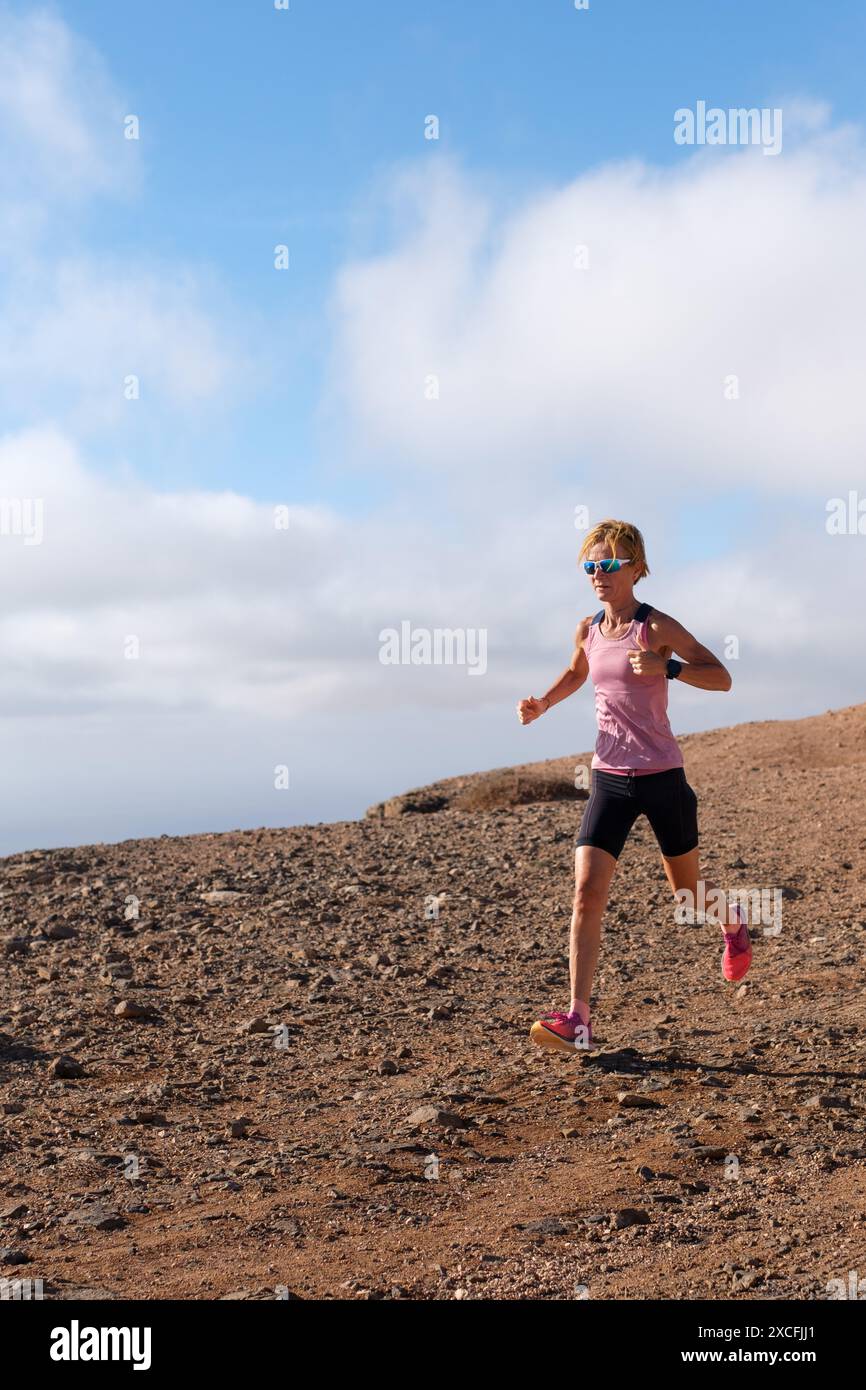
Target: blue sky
261,127
409,258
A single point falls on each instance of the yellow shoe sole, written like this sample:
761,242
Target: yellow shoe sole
544,1038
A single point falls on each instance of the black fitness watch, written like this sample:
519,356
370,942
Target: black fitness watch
673,669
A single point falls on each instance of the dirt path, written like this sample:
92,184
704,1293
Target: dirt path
715,1143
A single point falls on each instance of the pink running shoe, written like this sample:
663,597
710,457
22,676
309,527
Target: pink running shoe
738,950
563,1032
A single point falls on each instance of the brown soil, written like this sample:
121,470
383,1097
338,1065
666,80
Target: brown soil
197,1158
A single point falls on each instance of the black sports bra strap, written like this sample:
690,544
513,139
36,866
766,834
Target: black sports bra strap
643,611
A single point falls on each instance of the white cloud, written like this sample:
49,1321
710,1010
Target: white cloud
73,336
60,118
726,263
233,614
261,647
76,326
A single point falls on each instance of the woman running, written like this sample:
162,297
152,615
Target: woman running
637,768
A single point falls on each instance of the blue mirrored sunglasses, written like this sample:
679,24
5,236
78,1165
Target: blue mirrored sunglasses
606,566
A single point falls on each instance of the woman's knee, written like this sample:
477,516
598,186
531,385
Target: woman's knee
590,892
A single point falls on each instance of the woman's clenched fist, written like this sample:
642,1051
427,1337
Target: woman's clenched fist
530,709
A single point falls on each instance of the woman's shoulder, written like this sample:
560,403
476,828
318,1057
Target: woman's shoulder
657,626
583,629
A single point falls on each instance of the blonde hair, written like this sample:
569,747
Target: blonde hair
613,533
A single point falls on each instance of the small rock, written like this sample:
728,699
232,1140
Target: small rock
13,1210
58,931
97,1216
65,1067
546,1226
432,1115
8,1256
115,972
128,1008
827,1101
144,1117
630,1216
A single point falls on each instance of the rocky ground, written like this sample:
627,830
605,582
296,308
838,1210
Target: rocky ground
295,1063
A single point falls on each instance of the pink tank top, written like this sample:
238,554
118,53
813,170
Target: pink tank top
634,734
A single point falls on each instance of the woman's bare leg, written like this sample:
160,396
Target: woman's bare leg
593,871
683,872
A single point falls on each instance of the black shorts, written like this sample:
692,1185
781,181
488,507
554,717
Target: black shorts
617,799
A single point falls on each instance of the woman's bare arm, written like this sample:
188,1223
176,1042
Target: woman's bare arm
571,680
667,638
